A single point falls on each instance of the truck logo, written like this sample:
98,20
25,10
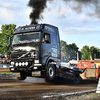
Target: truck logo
24,55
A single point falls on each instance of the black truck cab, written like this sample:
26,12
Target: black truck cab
33,47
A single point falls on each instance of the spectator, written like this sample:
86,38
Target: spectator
1,56
5,55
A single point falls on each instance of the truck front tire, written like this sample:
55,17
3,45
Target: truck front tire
50,72
23,76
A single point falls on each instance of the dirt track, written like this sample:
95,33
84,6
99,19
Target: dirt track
4,70
36,88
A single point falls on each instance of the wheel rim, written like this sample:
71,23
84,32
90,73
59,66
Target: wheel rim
76,80
51,72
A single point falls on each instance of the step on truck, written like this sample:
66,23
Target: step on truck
35,51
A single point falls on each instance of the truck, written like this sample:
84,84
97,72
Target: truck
35,51
92,69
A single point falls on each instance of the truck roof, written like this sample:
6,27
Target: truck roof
36,27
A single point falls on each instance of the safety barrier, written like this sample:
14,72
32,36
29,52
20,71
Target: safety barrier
98,87
4,65
5,74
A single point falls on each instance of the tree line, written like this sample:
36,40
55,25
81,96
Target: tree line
71,51
68,51
7,31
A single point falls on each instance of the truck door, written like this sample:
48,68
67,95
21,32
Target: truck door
54,45
46,46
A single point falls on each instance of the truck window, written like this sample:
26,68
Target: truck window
46,38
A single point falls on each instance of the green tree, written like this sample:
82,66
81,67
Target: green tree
72,50
63,46
69,50
63,49
6,32
94,52
85,53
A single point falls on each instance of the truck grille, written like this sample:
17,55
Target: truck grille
13,56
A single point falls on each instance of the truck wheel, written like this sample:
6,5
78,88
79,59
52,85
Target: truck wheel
50,72
76,79
23,76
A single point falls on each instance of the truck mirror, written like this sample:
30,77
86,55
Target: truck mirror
47,38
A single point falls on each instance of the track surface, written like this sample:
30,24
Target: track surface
4,70
36,88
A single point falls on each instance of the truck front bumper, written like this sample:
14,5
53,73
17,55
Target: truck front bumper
34,73
35,67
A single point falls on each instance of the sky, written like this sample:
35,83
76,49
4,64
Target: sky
74,27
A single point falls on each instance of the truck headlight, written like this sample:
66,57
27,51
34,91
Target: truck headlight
26,63
34,54
20,64
12,63
16,64
12,69
23,63
36,61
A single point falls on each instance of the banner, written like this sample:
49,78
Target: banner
63,54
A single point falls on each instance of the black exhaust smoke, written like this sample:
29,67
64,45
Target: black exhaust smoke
37,8
93,5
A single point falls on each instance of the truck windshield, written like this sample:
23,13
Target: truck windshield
26,38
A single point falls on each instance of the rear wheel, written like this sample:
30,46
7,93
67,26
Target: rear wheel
23,76
76,78
50,72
